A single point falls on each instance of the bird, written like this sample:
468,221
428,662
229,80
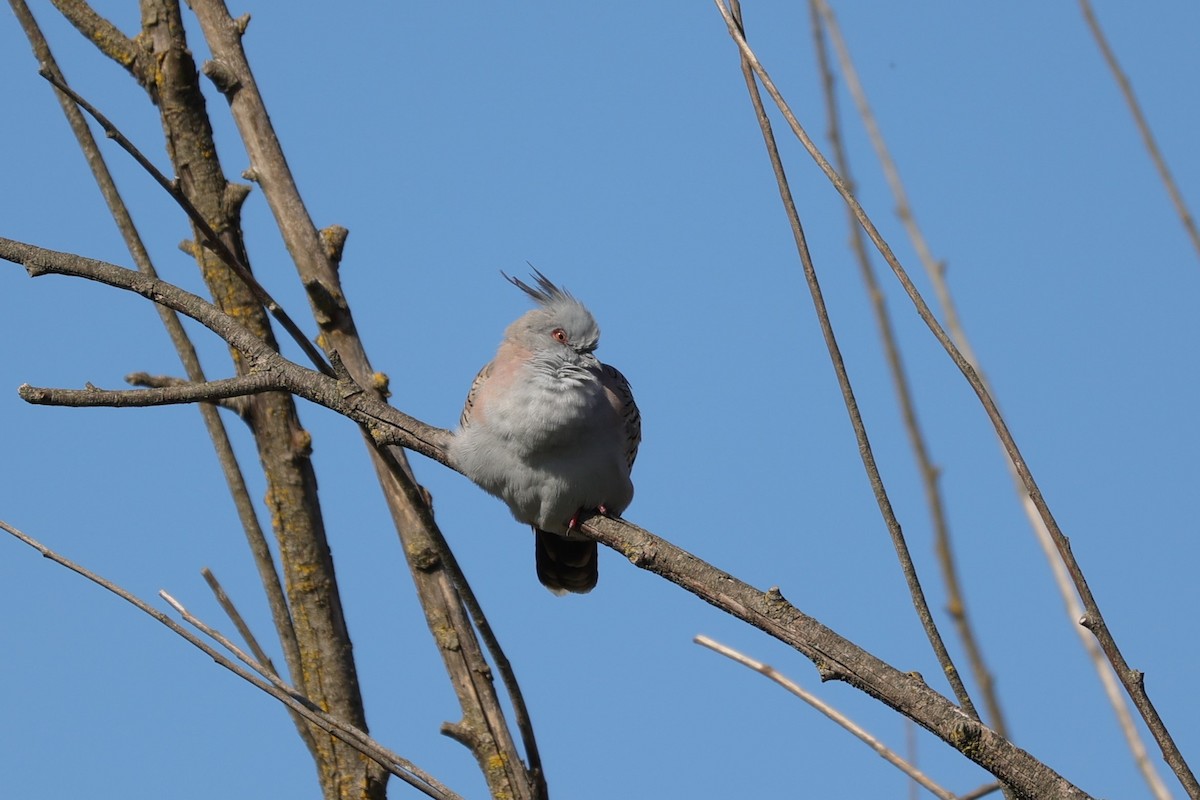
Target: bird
552,432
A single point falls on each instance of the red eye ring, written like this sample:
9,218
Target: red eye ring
559,335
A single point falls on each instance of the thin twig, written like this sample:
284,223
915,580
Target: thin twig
955,598
394,763
1143,126
829,711
238,621
358,739
1093,619
212,240
733,18
248,637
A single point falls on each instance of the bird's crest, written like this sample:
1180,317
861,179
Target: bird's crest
546,292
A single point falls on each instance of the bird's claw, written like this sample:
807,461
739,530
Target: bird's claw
574,523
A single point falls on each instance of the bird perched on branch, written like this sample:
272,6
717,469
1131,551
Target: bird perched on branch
552,432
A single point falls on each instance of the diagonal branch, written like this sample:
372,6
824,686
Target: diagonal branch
106,36
1139,119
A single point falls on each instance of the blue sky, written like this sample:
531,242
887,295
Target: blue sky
615,149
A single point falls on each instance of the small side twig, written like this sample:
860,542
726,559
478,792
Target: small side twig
829,711
238,405
248,637
176,394
238,621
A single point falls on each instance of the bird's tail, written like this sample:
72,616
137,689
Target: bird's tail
565,565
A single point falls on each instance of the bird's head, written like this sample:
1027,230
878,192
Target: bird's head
560,327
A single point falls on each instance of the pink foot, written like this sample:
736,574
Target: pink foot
574,523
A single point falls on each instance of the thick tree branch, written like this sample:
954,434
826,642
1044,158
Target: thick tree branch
835,657
327,670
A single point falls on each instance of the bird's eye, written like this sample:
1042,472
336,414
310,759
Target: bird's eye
559,335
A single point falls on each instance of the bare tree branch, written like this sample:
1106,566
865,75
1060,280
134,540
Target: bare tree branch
327,671
210,392
238,405
835,657
248,637
238,621
1130,678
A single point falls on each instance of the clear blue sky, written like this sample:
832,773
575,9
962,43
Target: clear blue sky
613,147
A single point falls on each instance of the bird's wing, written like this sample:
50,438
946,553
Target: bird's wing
621,398
480,379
